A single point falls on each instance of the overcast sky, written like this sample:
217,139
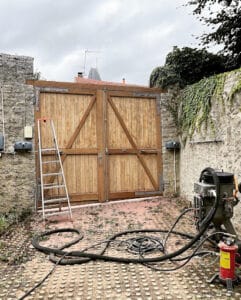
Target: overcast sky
124,38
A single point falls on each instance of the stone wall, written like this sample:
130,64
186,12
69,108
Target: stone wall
169,157
17,174
219,147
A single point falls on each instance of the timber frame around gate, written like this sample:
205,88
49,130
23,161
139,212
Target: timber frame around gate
109,138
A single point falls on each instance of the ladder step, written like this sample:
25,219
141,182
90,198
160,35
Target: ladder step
48,149
57,213
57,170
55,200
48,187
52,174
50,161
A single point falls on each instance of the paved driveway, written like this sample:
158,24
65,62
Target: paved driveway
21,266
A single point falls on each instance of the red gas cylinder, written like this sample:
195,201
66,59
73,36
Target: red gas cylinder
227,261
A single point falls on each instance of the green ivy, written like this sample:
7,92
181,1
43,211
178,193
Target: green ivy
195,103
196,106
218,92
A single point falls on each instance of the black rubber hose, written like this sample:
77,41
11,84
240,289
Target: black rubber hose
216,203
174,224
80,254
58,251
84,258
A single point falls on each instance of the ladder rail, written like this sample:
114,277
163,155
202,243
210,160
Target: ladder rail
61,166
41,169
46,186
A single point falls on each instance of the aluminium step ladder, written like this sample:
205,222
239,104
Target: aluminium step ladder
54,192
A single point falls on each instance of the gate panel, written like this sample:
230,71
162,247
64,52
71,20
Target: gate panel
128,175
139,116
74,118
133,146
110,139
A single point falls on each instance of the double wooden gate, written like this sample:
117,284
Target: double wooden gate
110,139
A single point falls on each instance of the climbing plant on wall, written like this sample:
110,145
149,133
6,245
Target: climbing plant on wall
195,105
195,102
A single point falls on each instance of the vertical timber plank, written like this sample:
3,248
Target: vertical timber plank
106,145
100,129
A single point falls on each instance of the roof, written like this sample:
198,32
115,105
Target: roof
94,74
84,80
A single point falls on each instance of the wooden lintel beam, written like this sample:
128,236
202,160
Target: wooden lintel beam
74,87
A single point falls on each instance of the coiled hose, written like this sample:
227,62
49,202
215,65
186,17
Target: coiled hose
78,257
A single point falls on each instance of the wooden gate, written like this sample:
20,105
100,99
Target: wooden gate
109,137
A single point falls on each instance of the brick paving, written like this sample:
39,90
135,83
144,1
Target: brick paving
21,266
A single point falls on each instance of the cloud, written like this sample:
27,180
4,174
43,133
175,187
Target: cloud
131,36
